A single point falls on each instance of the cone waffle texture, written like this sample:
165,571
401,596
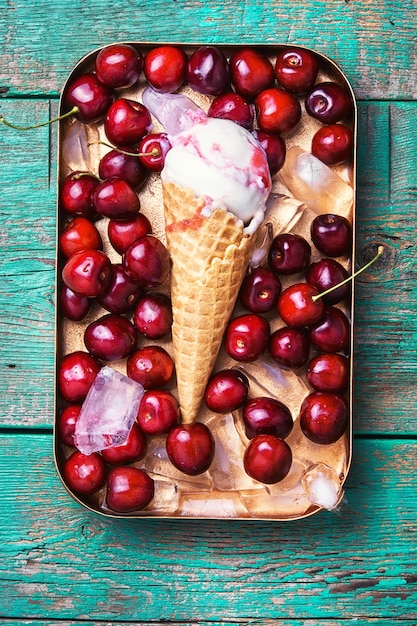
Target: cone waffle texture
210,256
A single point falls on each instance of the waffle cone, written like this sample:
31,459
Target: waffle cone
210,256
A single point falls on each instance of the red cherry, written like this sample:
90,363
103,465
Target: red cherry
153,315
126,122
267,416
297,307
165,68
152,151
76,194
251,72
208,71
147,260
290,347
111,337
332,144
87,272
226,391
329,102
116,199
121,293
73,306
275,149
116,164
327,273
66,422
133,449
90,96
232,106
332,332
190,448
122,233
246,337
267,459
76,373
158,412
119,65
289,254
323,417
128,489
79,234
332,234
296,69
260,290
328,372
277,111
84,473
150,366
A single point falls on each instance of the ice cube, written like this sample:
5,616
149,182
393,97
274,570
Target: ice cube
311,181
108,412
174,111
80,146
218,505
322,486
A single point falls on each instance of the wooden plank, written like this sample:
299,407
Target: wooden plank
386,326
363,37
60,561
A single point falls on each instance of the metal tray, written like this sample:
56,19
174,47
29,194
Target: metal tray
224,491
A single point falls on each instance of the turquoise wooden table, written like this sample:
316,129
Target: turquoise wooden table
60,563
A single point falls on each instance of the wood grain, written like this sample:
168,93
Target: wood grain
60,561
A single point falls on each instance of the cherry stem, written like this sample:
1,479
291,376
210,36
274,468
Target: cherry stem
155,152
343,282
56,119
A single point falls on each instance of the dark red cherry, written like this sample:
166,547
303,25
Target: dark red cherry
290,347
251,72
153,315
133,449
208,71
76,373
332,234
119,65
84,473
72,305
332,144
190,448
158,412
150,366
267,416
327,273
323,417
121,293
115,164
116,199
79,234
329,372
152,151
122,233
246,337
297,306
111,337
329,102
332,332
267,459
128,489
147,260
289,254
66,422
126,122
90,96
165,68
76,194
87,272
277,111
296,69
232,106
275,149
260,290
226,391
